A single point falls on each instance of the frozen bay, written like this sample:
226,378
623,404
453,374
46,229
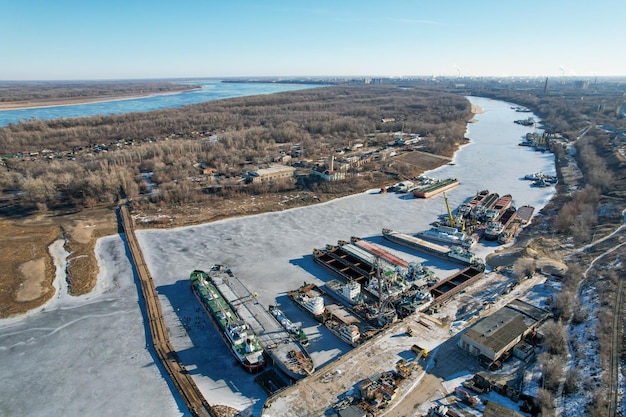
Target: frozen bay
89,355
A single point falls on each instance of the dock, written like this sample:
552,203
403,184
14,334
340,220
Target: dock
273,337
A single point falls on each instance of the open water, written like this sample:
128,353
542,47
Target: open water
210,90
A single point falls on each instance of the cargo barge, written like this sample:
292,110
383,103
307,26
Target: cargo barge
288,355
452,285
435,188
525,213
415,271
455,254
342,264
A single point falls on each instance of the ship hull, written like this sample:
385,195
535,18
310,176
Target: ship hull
466,242
250,367
432,190
293,295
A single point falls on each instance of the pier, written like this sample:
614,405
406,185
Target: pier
290,356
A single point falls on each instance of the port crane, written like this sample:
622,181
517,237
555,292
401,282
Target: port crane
451,219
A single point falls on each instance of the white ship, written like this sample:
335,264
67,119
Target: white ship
449,235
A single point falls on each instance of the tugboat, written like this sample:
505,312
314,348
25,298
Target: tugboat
295,331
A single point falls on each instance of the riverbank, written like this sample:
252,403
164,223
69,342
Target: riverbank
42,104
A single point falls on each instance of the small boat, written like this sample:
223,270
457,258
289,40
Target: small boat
296,332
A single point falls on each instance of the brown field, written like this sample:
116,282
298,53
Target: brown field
28,270
421,161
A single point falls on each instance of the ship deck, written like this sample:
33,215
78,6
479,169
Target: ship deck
378,251
271,335
368,257
454,284
344,264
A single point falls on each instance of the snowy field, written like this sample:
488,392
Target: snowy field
88,355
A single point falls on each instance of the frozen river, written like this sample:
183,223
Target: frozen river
88,355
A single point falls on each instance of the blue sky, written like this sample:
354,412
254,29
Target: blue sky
111,39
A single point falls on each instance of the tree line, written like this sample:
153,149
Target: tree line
96,159
57,90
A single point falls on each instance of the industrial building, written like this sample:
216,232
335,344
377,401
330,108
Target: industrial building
272,173
493,336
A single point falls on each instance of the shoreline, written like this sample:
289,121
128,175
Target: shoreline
82,101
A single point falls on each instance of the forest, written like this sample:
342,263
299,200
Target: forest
49,91
83,162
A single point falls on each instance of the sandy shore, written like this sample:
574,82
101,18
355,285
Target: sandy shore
476,109
23,105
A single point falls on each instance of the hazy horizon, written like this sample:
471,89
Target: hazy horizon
137,39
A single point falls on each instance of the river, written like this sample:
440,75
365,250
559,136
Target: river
208,91
96,344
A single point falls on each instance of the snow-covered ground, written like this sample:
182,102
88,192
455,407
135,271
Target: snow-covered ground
88,355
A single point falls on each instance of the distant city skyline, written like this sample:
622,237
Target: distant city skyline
137,39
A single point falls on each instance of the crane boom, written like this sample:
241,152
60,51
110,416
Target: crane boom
450,218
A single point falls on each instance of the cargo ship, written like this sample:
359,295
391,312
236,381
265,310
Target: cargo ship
296,332
509,233
240,339
410,271
495,227
349,333
455,254
502,204
493,230
286,354
434,188
348,292
448,235
465,209
309,298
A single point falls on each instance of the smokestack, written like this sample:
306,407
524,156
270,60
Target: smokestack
331,165
545,86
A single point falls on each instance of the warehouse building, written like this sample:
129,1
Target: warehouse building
493,336
270,174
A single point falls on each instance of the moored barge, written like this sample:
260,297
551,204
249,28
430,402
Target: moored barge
238,336
287,354
435,188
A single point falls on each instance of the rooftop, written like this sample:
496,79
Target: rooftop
499,329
